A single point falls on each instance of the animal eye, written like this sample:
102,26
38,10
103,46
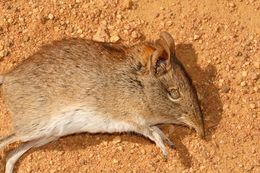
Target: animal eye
174,94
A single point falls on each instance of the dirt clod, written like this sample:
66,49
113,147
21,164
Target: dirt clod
101,34
114,38
225,88
3,53
252,106
50,16
117,140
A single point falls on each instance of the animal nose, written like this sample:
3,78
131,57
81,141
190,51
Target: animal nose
200,131
198,125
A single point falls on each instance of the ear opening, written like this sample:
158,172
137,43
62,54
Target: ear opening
161,59
157,58
168,40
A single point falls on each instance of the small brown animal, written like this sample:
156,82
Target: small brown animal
75,85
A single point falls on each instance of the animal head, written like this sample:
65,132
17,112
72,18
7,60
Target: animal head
167,86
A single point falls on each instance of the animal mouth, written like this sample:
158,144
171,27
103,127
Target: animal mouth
198,126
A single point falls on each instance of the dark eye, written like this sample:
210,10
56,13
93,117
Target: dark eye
174,94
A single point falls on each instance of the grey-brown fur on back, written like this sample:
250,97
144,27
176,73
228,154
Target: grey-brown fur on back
78,71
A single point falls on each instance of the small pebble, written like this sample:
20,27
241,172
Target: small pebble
114,38
244,73
44,19
115,161
254,76
119,16
105,143
255,89
142,151
257,64
79,31
120,148
116,140
225,106
225,88
101,34
83,162
231,4
253,150
9,20
50,16
236,23
3,53
26,38
169,23
9,43
239,53
134,34
252,106
127,4
202,167
196,37
243,83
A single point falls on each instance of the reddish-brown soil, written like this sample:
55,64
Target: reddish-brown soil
218,42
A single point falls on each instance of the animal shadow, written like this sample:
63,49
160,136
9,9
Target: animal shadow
208,95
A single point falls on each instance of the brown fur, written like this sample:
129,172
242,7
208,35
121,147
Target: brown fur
128,84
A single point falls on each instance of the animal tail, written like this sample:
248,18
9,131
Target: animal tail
1,79
7,140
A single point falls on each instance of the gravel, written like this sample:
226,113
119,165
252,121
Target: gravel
3,53
221,48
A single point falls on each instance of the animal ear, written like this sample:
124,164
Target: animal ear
167,38
161,60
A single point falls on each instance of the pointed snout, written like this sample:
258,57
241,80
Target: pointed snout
197,123
200,131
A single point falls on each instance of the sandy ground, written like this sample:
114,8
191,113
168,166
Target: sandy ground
218,42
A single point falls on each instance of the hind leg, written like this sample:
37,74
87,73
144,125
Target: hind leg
17,153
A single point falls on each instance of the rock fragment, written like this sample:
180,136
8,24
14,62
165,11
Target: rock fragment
101,34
